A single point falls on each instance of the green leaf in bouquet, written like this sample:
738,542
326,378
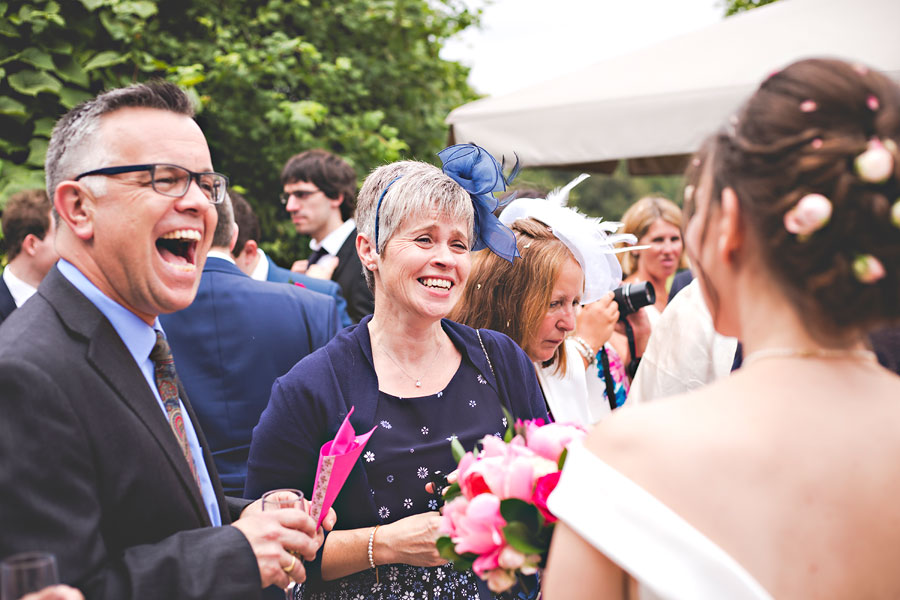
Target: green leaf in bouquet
446,548
520,537
515,510
562,458
453,490
457,448
510,431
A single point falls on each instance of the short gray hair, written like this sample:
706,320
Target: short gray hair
419,189
225,225
73,147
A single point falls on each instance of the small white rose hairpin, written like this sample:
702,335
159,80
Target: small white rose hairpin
867,268
876,163
811,214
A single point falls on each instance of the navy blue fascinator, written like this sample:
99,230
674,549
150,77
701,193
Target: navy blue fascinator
479,173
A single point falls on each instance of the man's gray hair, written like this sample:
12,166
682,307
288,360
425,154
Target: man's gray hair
73,146
420,190
225,226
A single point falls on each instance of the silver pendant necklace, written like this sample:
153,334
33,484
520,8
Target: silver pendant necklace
418,380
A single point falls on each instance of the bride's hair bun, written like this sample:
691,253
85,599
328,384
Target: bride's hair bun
813,159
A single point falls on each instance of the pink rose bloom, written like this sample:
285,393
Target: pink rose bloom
812,212
452,512
550,440
500,580
542,489
510,558
486,563
480,528
471,480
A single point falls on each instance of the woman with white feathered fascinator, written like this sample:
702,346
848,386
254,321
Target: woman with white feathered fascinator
567,260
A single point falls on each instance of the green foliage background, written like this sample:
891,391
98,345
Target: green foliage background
362,78
272,78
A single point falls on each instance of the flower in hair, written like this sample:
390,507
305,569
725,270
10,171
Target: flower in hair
479,173
867,268
817,143
876,164
812,213
895,213
872,102
808,106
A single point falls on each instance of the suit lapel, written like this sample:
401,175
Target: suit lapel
7,303
347,249
109,357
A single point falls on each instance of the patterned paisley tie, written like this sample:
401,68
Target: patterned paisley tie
166,382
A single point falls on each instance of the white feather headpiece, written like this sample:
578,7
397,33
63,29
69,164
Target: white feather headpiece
590,240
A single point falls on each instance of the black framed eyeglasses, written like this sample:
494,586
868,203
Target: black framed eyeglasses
300,195
172,180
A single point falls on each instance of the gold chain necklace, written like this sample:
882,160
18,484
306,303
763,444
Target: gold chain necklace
853,354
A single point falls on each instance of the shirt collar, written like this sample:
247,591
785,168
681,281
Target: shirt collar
18,289
138,337
222,255
261,270
334,240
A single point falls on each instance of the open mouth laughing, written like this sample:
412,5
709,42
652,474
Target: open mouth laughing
179,248
436,283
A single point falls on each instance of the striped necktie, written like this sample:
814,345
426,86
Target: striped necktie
167,384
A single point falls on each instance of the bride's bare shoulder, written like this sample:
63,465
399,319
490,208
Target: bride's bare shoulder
670,431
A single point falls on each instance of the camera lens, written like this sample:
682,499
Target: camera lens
631,297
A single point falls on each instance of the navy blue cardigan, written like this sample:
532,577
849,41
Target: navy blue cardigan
309,403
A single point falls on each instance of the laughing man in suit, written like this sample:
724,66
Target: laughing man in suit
104,463
234,339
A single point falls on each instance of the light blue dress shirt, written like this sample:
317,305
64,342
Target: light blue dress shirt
140,338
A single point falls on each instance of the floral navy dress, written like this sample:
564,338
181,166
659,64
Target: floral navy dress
411,442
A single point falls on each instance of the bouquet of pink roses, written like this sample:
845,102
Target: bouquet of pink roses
495,517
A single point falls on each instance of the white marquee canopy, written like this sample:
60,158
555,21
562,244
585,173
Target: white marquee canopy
655,105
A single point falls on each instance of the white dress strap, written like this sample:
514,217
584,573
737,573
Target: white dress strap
667,556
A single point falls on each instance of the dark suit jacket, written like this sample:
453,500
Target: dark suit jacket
323,286
349,276
7,304
92,471
231,343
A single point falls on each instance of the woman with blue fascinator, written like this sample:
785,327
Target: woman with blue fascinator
419,377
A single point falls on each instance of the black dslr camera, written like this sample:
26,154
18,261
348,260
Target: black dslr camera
631,297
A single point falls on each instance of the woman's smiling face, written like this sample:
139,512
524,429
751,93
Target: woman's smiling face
424,266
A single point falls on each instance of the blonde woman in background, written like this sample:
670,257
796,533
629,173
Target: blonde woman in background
657,223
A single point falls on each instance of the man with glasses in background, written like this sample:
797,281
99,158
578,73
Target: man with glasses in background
104,463
320,194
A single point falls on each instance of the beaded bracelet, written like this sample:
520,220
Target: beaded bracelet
371,551
584,349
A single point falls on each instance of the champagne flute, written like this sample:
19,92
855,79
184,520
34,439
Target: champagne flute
278,499
28,572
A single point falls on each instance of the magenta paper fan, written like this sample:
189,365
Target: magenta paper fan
336,460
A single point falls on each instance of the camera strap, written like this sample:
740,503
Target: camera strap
607,375
635,361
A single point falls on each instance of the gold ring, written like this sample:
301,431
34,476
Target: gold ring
290,567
